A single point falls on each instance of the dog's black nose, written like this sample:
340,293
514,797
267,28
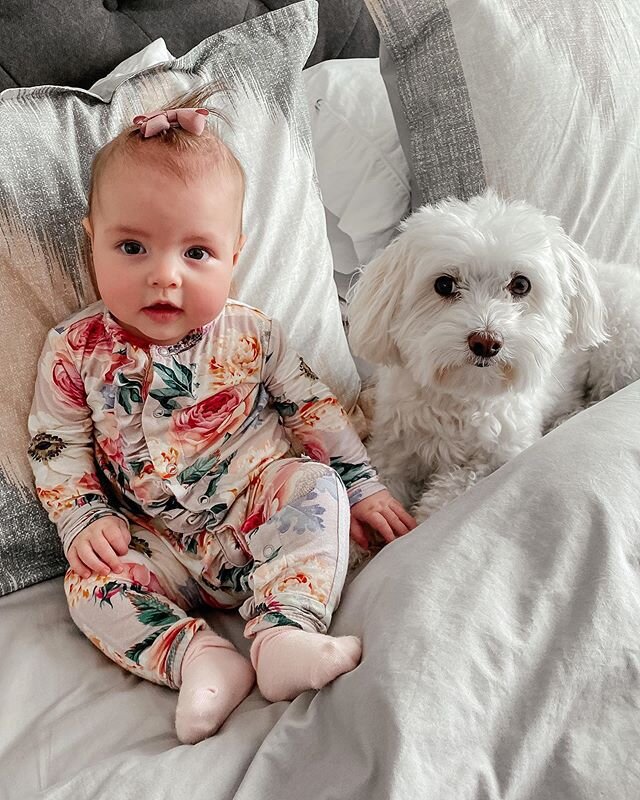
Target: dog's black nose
484,344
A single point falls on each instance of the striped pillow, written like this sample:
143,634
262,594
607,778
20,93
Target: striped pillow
536,98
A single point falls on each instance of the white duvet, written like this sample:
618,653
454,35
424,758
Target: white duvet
501,660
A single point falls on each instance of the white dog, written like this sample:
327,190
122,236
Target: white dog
491,326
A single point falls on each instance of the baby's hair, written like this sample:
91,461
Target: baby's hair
172,145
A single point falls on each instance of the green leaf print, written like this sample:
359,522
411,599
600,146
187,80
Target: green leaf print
197,470
138,466
121,478
277,619
136,651
284,407
167,399
128,390
350,473
151,611
217,475
87,498
235,578
106,592
180,378
179,383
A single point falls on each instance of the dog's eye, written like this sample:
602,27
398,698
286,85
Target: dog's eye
445,285
520,285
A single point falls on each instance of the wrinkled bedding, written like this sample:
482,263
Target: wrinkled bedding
501,660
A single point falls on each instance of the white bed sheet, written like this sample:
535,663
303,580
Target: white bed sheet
501,660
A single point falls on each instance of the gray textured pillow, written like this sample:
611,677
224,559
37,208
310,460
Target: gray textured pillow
541,101
49,135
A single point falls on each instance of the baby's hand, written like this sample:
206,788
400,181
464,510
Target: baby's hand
98,547
382,513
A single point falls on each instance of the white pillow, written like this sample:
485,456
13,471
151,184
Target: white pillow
540,101
149,56
362,171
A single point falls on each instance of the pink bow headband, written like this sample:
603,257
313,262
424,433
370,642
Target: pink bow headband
190,119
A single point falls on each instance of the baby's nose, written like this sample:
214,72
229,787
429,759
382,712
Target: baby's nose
485,344
164,274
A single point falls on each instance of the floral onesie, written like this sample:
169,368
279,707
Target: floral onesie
233,465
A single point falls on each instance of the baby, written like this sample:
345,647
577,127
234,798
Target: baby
163,429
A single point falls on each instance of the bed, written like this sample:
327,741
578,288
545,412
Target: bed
501,637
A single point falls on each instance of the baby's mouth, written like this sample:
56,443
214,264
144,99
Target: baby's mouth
162,309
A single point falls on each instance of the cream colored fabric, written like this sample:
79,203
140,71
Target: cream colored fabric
500,660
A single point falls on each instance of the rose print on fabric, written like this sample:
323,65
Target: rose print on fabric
242,367
119,360
322,414
58,499
167,444
89,336
311,575
315,449
209,420
142,485
69,383
110,441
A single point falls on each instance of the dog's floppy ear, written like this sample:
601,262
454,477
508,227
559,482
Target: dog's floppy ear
585,302
372,304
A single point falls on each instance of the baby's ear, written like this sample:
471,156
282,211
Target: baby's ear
241,243
86,224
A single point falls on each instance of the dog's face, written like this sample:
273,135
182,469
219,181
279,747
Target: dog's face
476,298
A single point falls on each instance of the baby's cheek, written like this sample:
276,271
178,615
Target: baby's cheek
207,301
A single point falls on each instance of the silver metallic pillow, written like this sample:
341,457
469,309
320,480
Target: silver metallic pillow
49,135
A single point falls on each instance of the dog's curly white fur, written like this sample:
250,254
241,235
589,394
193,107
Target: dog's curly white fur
490,326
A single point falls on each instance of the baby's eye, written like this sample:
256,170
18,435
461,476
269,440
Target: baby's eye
197,253
132,248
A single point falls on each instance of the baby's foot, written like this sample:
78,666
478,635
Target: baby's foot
289,661
215,679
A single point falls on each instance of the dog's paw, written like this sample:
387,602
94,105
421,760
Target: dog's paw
419,516
357,556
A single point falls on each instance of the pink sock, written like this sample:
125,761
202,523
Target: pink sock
289,661
215,679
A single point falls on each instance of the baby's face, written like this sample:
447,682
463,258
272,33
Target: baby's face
163,248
